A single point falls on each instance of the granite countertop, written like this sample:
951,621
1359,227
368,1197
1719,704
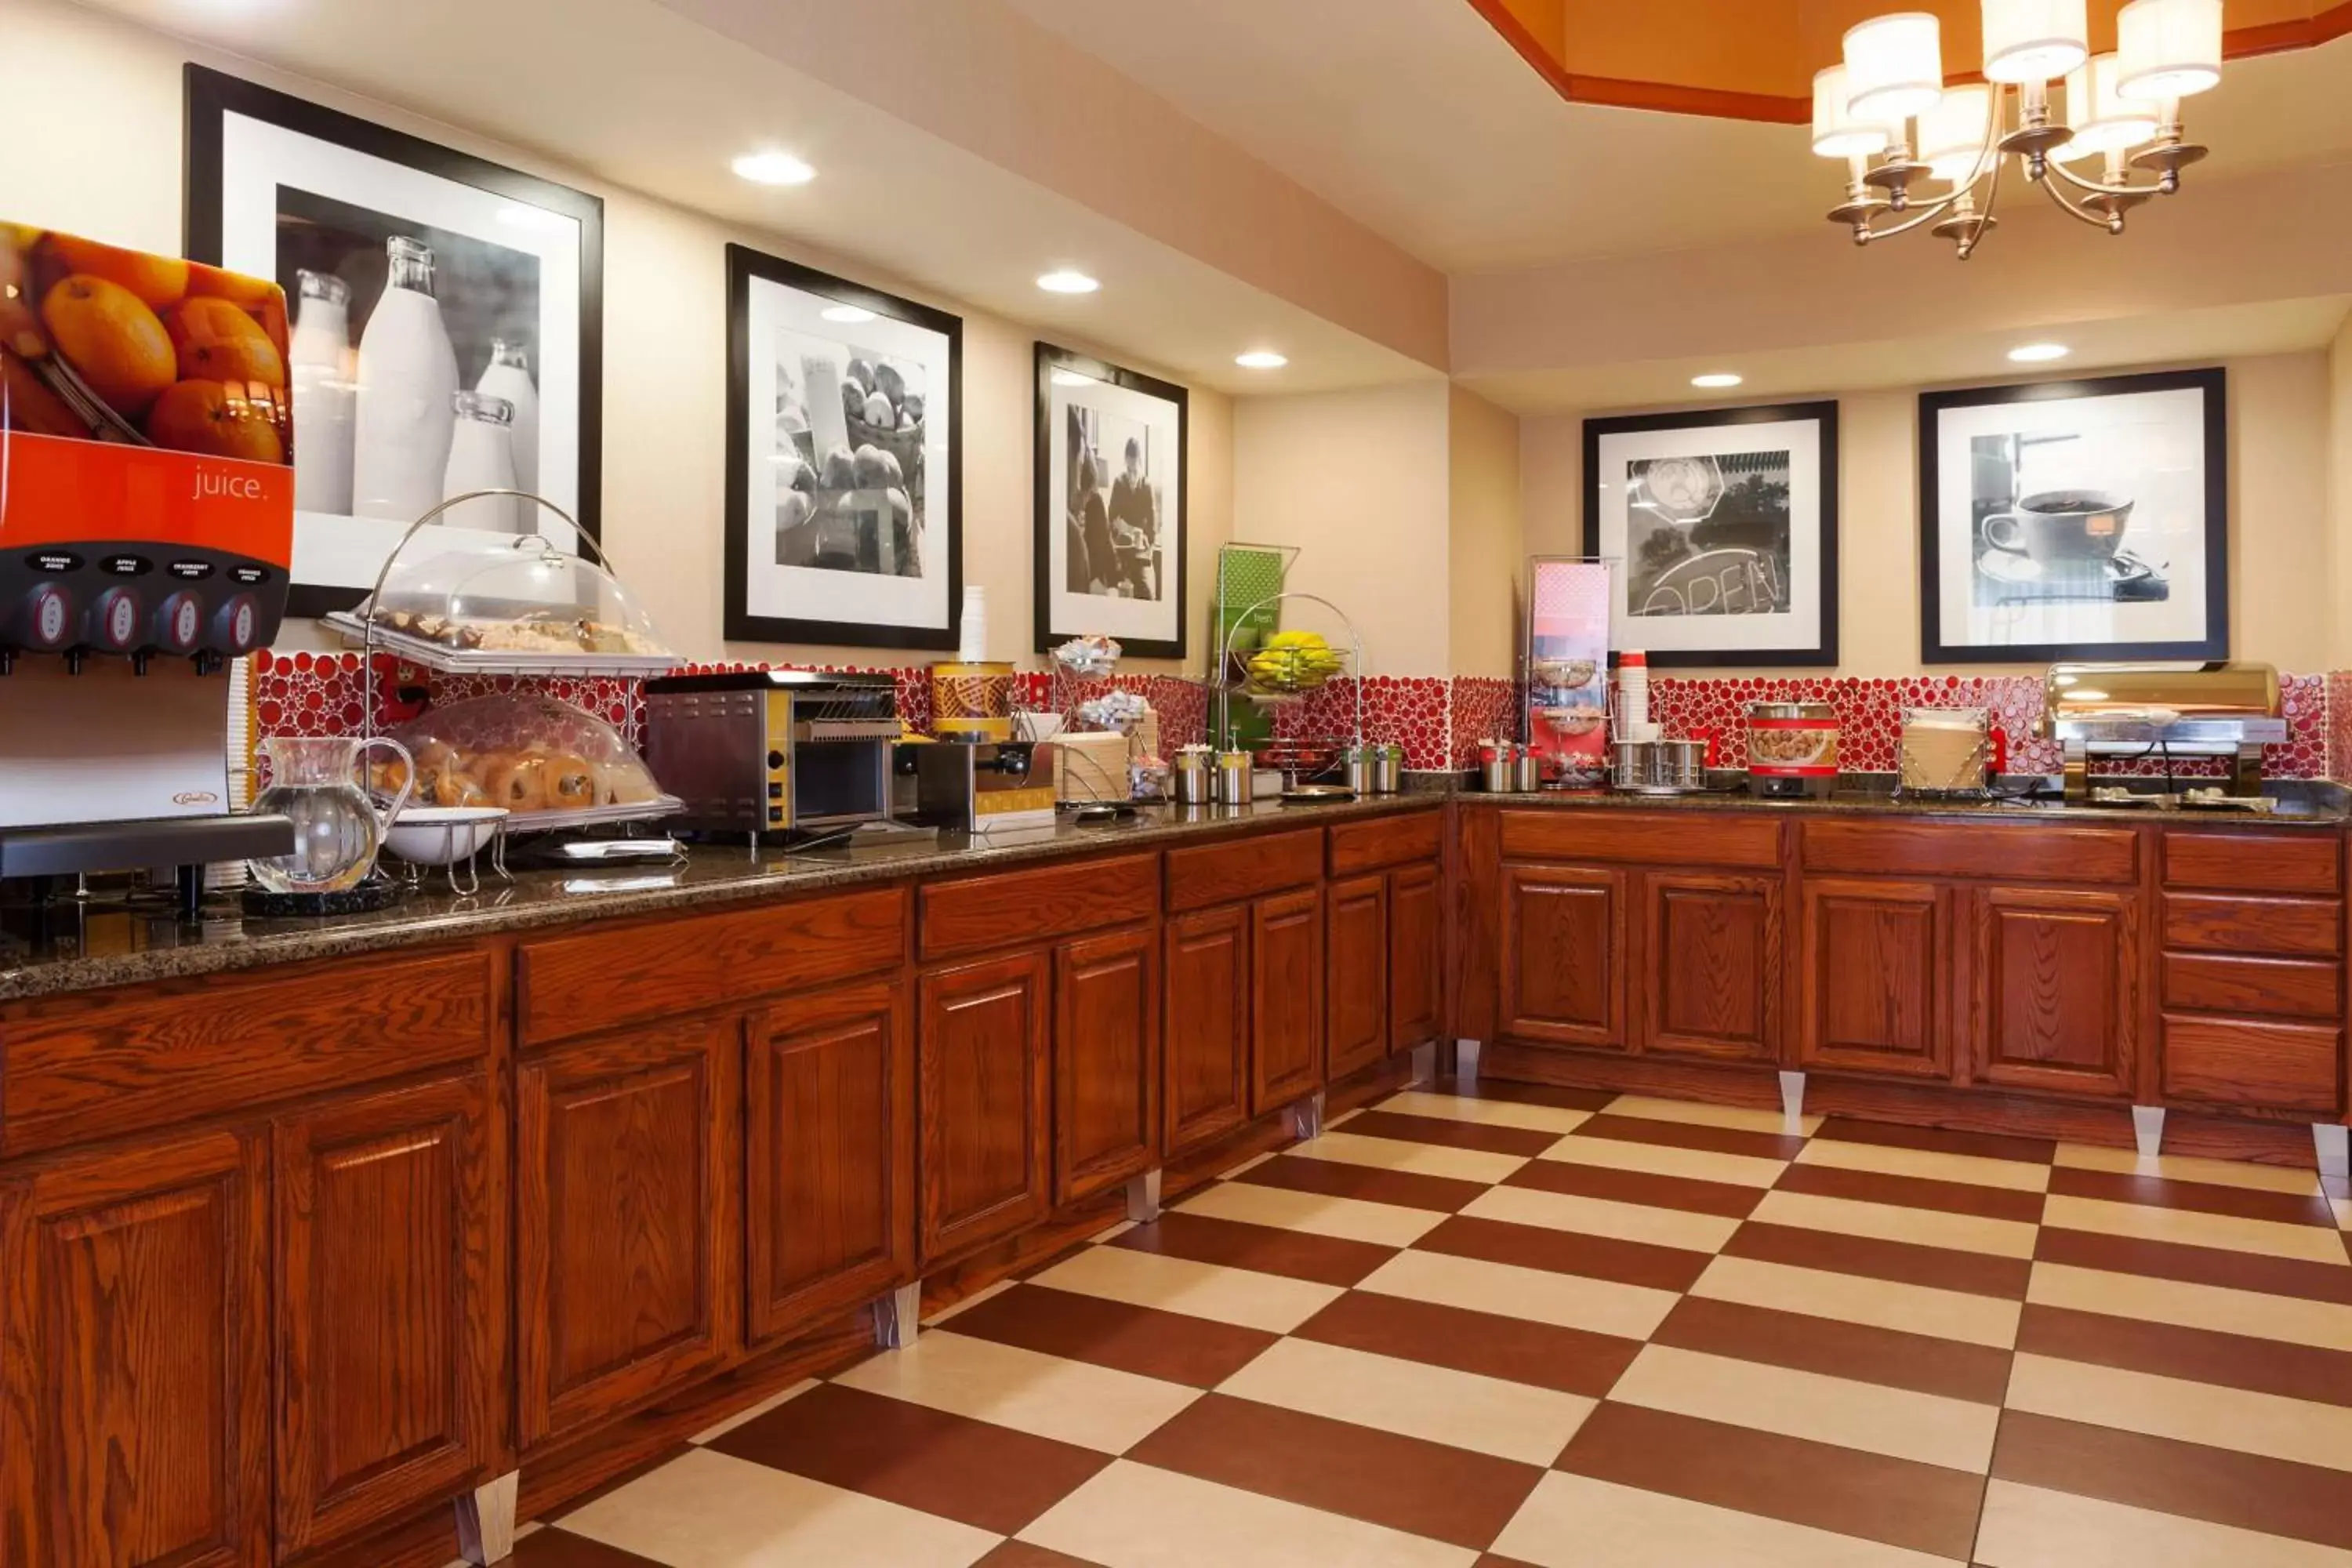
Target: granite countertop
75,948
2302,804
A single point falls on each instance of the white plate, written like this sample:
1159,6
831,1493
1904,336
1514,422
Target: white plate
443,835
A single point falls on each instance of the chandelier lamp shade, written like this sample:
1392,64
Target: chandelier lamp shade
1920,154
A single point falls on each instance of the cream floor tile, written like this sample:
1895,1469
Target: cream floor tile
2028,1527
1074,1401
2343,1207
1602,1217
1397,1155
706,1510
1747,1119
2301,1430
1240,1296
1575,1521
2018,1175
712,1433
1461,1410
2242,1173
2191,1227
2323,1324
1487,1113
1927,1427
1851,1298
1135,1516
1566,1300
1351,1219
1889,1222
1663,1160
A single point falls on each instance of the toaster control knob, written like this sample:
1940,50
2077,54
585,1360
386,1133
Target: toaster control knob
179,622
114,620
48,612
775,761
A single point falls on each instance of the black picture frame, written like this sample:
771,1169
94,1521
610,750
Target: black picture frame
744,267
1050,358
209,96
2213,385
1823,414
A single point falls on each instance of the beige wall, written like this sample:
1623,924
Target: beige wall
1487,547
2339,502
90,140
2281,599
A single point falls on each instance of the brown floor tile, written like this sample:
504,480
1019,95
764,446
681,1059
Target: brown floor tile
1567,1252
1940,1140
1637,1188
1570,1360
1437,1129
1426,1488
1692,1135
1021,1554
1885,1356
2204,1197
2190,1480
1897,1503
2195,1265
1488,1559
1912,1193
990,1476
2199,1355
1297,1253
1174,1347
1946,1268
554,1548
1558,1095
1334,1179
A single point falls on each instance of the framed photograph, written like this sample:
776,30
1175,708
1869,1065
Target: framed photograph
1111,445
2075,519
1724,523
844,475
446,335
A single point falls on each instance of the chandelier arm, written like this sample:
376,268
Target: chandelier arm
2081,215
1929,216
2096,187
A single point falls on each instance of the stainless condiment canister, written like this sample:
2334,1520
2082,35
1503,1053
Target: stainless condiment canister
1526,771
1193,780
1498,766
1388,768
1235,778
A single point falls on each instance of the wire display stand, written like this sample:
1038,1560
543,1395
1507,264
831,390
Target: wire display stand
1276,676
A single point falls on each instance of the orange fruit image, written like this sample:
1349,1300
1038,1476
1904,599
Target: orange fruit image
218,421
113,339
218,342
256,294
27,404
158,280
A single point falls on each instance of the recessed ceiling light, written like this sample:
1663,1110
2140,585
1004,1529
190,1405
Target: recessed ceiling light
773,169
849,313
1260,359
1067,282
1072,378
2039,353
1717,378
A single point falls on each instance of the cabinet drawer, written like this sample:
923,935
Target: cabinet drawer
2005,852
2227,982
2255,862
100,1066
1742,840
2258,1065
1364,845
2208,923
1228,873
1032,907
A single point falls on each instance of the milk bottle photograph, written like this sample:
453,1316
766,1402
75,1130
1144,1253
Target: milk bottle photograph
482,457
507,375
319,363
408,375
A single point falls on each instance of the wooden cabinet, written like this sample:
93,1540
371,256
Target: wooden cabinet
1416,956
1875,989
1286,998
1106,1061
390,1306
982,1068
1713,968
829,1204
627,1177
1356,974
2057,989
1563,951
1206,1025
133,1380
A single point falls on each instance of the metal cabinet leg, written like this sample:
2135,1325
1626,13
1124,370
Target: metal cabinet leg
1143,1197
1792,1103
1307,1117
486,1520
1465,1060
897,1315
2147,1130
2334,1146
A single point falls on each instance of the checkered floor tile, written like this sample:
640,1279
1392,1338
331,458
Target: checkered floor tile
1546,1327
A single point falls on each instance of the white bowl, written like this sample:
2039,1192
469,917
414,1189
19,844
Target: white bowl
443,835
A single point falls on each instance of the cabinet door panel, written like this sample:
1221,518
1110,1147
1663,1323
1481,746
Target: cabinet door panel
985,1159
1563,936
2057,990
1106,1061
1356,973
829,1090
1713,966
627,1232
389,1307
133,1380
1286,998
1877,993
1416,956
1207,1017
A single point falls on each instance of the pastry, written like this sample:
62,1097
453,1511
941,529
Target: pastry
454,787
388,778
624,783
570,783
518,783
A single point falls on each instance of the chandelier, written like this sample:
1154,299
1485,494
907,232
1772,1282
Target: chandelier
1924,154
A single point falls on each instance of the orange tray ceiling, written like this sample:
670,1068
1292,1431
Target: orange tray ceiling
1755,59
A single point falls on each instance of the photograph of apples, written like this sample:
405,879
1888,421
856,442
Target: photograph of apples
849,441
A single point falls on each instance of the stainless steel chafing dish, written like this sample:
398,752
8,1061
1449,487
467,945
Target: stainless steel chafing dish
2229,711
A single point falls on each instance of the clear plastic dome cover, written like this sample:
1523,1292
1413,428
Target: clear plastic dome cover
527,753
509,594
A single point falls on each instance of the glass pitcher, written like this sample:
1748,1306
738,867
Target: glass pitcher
314,781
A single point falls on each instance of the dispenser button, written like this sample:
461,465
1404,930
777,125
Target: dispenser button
776,791
114,619
51,616
775,814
